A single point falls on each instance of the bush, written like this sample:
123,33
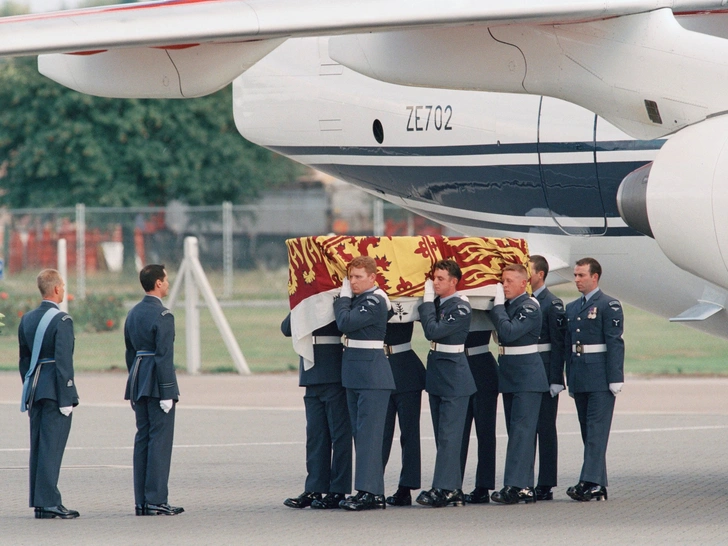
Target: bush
97,313
14,308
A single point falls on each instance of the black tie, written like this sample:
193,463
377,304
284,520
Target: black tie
437,305
583,301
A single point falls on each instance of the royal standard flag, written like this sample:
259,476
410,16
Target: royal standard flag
317,265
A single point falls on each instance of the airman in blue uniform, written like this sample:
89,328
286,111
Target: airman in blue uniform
49,393
328,428
521,379
595,373
361,314
449,382
405,403
152,390
551,349
482,407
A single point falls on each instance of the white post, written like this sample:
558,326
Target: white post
378,217
192,313
80,251
227,248
63,270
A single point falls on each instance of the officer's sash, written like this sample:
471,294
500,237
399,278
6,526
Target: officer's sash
37,342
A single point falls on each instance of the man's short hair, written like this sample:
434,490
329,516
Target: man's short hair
594,266
540,264
47,280
366,263
150,274
450,266
517,268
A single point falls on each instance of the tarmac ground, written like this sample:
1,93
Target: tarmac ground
239,452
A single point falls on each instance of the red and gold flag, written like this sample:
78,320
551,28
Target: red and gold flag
317,265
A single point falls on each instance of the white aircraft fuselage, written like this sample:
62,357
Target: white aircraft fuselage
489,164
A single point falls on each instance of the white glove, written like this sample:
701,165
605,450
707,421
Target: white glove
616,388
555,389
66,410
346,288
429,291
500,297
386,298
166,405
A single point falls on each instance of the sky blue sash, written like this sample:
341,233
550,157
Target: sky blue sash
37,342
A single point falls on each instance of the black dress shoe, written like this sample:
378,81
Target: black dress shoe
162,510
586,491
479,495
402,497
363,501
544,493
330,501
438,498
139,509
303,500
60,511
514,495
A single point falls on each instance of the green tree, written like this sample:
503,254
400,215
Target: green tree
61,147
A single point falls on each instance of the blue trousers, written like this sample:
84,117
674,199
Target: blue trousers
368,412
448,422
481,409
152,451
595,410
521,410
49,430
406,406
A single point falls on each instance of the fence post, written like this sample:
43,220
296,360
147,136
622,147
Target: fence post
63,270
227,248
378,217
81,251
192,313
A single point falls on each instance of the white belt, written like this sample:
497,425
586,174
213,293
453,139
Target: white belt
580,349
543,347
364,344
326,340
479,350
394,349
522,350
442,348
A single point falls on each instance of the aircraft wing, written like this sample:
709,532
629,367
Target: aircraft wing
630,61
182,22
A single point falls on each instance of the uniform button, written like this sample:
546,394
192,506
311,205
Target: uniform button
578,318
578,330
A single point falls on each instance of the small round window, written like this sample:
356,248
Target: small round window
378,131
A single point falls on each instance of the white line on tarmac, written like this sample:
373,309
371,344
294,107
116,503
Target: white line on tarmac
264,444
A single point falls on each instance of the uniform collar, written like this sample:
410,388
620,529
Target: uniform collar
591,294
443,300
155,297
537,293
53,303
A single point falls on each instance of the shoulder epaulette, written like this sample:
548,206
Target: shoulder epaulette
67,317
166,312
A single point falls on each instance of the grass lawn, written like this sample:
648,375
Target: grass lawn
654,346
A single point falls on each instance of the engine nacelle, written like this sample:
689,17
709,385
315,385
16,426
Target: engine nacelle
682,199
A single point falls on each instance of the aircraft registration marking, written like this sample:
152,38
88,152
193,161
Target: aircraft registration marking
429,117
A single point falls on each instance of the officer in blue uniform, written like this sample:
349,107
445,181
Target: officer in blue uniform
405,403
595,373
49,393
551,349
482,407
361,314
449,382
522,380
328,429
153,392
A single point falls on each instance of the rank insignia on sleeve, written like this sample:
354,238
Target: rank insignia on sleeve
450,318
363,309
615,305
616,322
559,321
558,304
70,383
529,308
521,316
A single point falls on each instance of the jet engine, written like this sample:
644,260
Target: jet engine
681,199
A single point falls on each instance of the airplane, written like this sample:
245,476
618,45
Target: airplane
589,128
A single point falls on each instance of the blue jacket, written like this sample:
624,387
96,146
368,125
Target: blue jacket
407,368
517,326
56,380
448,374
553,331
364,317
150,327
326,356
600,321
